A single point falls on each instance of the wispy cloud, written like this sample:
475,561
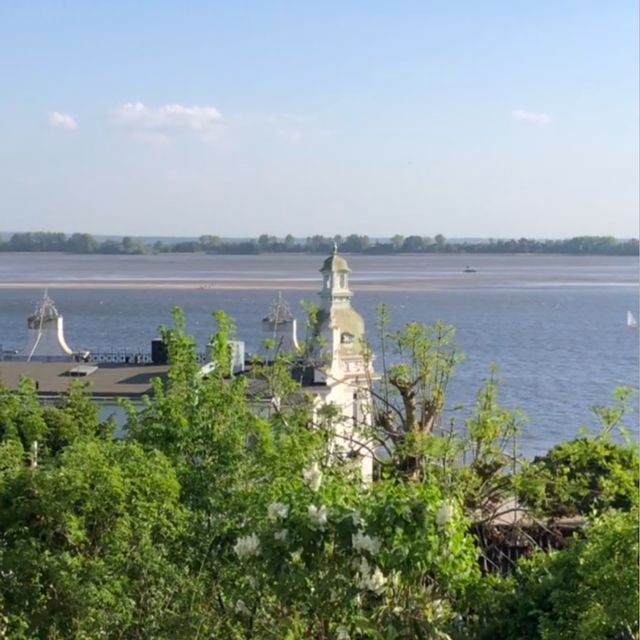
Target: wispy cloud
291,127
167,120
531,117
288,127
62,120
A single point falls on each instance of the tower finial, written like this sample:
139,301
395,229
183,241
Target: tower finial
335,247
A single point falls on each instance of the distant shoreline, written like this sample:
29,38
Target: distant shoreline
88,244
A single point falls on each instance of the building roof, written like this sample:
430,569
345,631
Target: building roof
108,380
335,262
118,380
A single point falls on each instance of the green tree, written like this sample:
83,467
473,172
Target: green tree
44,430
397,241
417,362
133,245
266,242
87,545
210,243
590,473
160,247
413,244
589,590
82,243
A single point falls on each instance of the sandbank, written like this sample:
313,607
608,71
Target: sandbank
243,285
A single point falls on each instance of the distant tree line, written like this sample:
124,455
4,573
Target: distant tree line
85,243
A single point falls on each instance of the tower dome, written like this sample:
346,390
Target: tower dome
339,325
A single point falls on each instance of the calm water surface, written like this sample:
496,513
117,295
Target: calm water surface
555,326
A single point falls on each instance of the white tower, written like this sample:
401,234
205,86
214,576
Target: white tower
339,325
344,364
45,338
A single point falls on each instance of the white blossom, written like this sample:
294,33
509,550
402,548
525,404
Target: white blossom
342,634
277,511
317,516
370,581
312,477
438,606
281,535
362,566
377,581
356,519
247,546
445,513
241,607
364,542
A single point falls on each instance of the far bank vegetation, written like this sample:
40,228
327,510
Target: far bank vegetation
85,243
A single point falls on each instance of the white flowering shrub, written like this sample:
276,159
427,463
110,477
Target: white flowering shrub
356,559
363,542
278,511
210,521
247,546
312,477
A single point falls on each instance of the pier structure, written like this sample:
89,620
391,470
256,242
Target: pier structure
45,335
280,326
333,365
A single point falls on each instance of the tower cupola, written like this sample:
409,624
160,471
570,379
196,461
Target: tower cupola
339,325
335,280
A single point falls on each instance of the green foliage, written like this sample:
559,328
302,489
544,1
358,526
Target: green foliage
590,473
580,476
377,562
226,512
489,451
417,363
86,544
589,590
42,430
353,243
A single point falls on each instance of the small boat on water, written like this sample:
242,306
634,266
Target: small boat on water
468,269
632,323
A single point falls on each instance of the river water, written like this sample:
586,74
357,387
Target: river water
554,325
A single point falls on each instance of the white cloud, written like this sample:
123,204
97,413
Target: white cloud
531,117
289,127
167,119
62,120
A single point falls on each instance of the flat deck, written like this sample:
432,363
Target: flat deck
108,380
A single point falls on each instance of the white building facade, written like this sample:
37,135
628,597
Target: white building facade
344,363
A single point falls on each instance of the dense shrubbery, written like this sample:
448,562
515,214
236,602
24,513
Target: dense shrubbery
589,590
210,520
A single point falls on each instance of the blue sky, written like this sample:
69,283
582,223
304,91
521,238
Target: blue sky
489,119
